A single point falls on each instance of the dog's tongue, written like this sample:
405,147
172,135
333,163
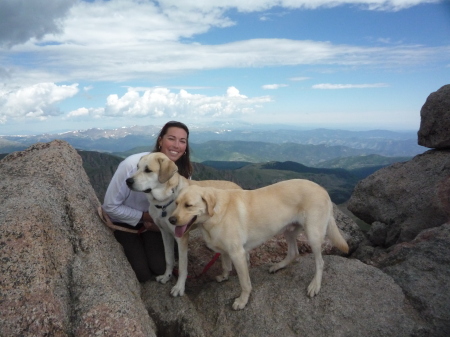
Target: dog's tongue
179,230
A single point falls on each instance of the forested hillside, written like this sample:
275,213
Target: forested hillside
339,182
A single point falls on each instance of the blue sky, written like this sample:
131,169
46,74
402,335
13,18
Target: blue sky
347,64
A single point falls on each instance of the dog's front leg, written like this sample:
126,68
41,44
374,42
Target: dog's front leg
226,267
239,259
178,288
168,241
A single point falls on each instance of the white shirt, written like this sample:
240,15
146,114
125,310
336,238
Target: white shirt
121,203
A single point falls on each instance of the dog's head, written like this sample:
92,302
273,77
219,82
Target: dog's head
153,174
194,205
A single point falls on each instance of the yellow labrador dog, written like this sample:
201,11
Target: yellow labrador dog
235,221
157,176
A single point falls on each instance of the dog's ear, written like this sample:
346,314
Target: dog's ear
209,199
167,169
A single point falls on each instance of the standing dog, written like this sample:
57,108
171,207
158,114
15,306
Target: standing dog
235,221
157,176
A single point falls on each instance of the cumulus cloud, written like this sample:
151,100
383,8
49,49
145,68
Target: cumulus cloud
34,102
21,20
160,102
349,86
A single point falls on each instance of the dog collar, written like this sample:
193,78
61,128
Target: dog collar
163,208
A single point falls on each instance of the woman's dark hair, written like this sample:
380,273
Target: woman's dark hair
184,163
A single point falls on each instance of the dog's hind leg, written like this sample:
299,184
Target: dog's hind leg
316,234
226,267
290,235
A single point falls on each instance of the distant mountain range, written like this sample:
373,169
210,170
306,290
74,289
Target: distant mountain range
342,142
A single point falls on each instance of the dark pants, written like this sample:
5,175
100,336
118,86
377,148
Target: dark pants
145,252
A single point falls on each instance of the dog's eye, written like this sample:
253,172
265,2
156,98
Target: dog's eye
187,205
147,170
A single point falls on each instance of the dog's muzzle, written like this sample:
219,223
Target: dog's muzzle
130,183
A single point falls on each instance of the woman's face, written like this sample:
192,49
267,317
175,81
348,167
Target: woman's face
173,144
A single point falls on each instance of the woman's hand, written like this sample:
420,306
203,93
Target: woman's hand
149,224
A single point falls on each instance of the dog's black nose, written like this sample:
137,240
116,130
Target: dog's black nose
130,181
173,220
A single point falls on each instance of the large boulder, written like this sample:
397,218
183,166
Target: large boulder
434,129
422,269
355,300
62,273
403,197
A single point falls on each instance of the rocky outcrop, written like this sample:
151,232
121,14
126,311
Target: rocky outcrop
408,207
63,274
421,268
435,120
403,198
355,300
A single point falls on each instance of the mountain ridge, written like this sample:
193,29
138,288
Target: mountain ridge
383,142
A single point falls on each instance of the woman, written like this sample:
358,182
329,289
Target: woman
129,209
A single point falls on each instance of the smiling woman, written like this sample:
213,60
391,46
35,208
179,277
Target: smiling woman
129,209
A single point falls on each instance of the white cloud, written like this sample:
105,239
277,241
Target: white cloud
260,5
117,22
349,86
273,86
298,79
34,102
161,102
79,112
109,62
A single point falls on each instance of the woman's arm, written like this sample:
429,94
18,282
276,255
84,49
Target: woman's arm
118,192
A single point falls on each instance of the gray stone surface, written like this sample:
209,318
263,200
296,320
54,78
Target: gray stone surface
355,300
434,129
404,196
422,269
61,273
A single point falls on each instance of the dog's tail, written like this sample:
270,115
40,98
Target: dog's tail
335,236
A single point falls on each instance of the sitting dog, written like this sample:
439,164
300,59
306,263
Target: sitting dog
235,221
157,176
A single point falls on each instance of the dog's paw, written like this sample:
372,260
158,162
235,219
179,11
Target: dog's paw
313,288
239,303
221,278
163,278
177,290
276,267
